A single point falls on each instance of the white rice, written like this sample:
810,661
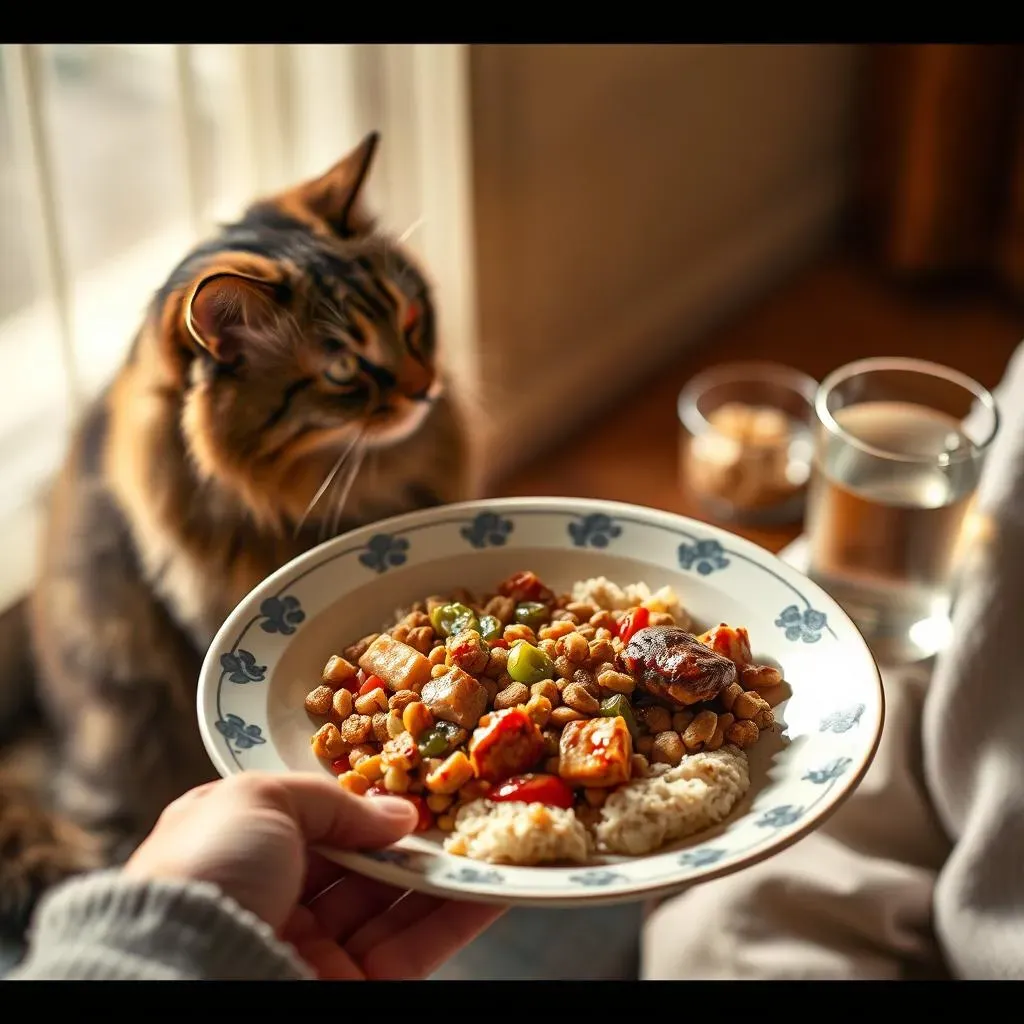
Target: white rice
601,592
698,793
518,833
636,819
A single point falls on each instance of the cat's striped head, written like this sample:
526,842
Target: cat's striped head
295,331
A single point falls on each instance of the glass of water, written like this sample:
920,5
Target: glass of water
899,448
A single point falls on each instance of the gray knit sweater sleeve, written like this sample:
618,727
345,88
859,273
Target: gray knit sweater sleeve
106,927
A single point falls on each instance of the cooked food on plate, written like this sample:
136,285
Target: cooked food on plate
541,728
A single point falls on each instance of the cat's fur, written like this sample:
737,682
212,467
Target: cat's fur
189,482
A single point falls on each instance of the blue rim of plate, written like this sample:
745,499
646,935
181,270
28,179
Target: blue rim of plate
702,549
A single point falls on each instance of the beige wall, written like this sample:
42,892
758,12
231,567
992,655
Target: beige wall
626,197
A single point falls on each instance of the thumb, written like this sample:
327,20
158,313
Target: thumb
329,816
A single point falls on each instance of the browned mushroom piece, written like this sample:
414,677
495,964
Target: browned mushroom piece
675,666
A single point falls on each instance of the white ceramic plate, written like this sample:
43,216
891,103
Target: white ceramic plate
270,652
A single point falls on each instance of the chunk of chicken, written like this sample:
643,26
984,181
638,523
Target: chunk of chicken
455,697
400,666
595,753
468,651
506,743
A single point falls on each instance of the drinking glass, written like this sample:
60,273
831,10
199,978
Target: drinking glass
899,448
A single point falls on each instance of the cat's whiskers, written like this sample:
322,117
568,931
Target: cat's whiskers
404,236
331,319
346,489
337,480
331,474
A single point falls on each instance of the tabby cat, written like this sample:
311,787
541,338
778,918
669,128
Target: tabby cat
273,359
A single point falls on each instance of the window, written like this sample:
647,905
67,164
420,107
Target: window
115,158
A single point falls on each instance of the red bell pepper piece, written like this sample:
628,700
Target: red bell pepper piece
534,789
372,683
637,619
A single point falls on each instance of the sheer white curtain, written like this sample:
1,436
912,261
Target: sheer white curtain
115,158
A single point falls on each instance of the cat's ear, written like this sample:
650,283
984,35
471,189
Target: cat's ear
336,197
225,306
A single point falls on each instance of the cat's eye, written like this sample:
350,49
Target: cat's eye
342,368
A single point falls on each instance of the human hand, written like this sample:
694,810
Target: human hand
250,835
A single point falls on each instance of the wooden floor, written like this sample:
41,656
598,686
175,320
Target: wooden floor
833,313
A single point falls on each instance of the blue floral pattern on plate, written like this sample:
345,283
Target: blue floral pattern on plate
780,817
476,876
596,531
242,668
597,879
831,771
487,529
701,857
384,551
842,721
281,615
399,857
234,730
704,555
806,625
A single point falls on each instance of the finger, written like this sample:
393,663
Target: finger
423,946
202,791
190,797
410,909
331,816
317,949
347,906
321,874
300,926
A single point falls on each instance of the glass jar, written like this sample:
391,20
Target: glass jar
746,445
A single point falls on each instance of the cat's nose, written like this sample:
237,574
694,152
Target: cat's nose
414,379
